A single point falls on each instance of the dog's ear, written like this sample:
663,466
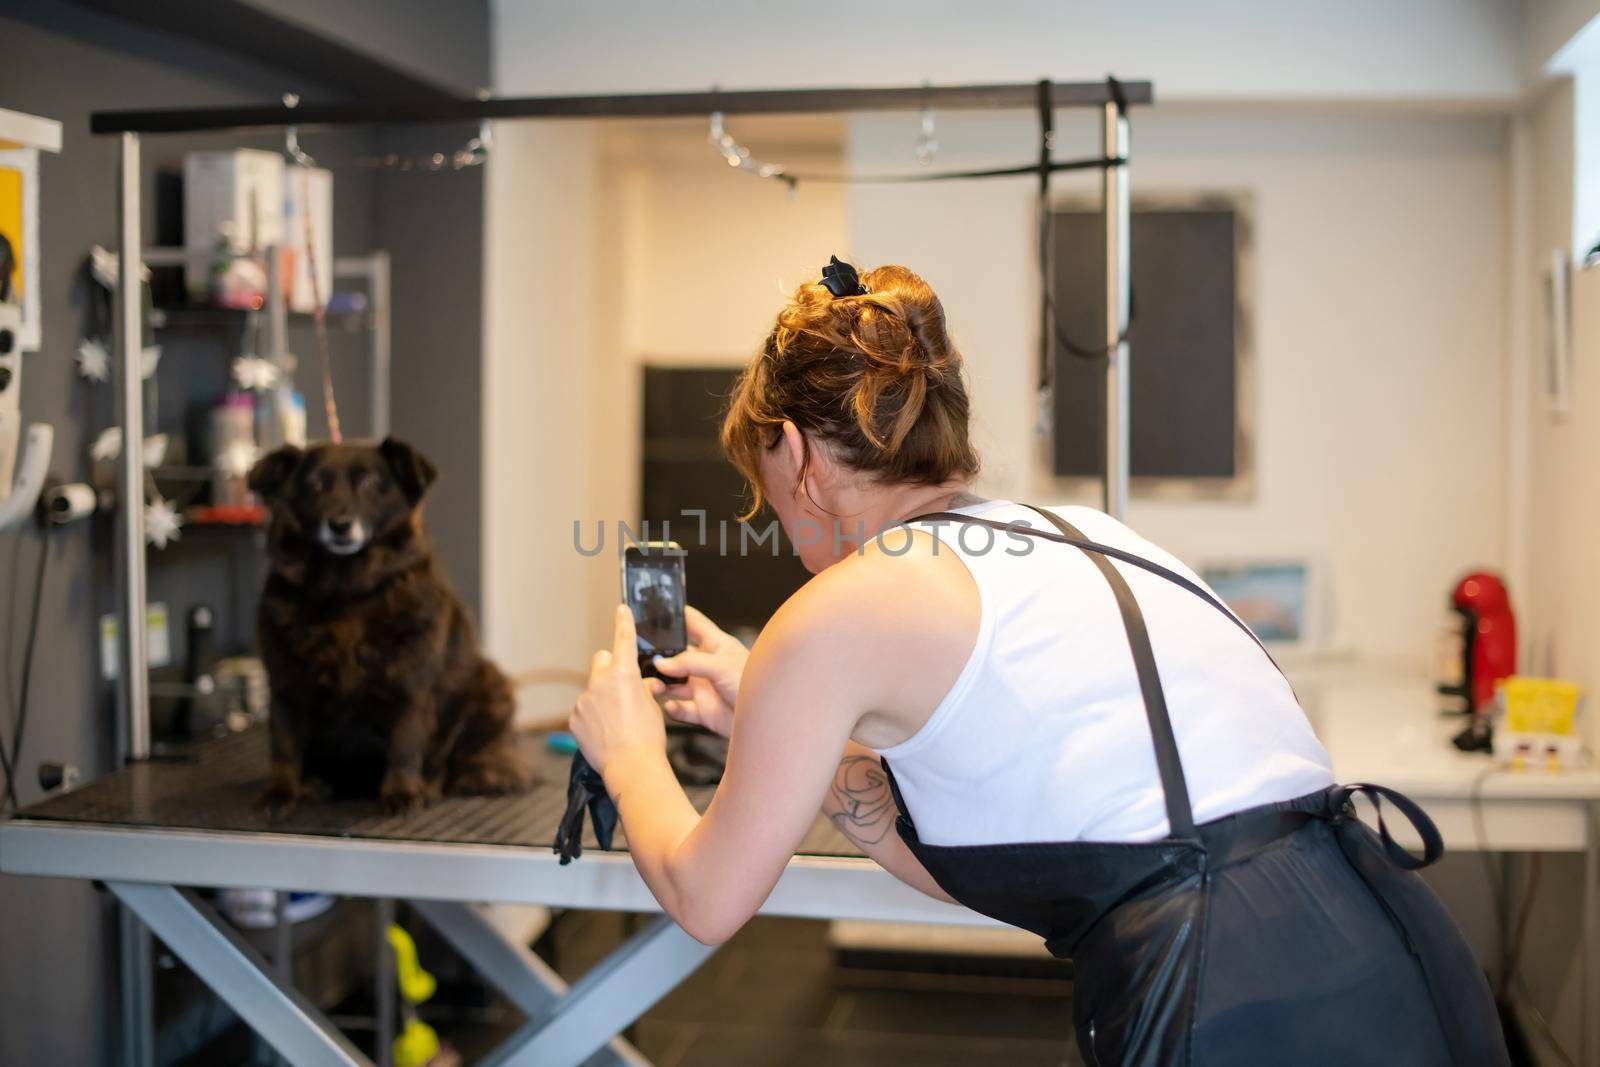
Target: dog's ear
412,471
273,471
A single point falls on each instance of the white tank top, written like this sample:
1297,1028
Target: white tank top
1043,737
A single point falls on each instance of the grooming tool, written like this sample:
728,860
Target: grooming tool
17,500
195,711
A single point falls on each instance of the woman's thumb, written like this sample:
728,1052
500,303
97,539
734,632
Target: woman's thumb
684,664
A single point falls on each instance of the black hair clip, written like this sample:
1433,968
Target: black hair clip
841,279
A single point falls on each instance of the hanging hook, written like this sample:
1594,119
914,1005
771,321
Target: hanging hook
291,135
927,143
738,156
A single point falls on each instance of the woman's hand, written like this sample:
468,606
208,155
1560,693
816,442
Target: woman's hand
710,669
615,716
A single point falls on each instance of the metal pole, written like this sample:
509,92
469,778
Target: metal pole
1589,924
277,308
383,983
282,952
138,1011
134,690
381,351
637,106
1114,208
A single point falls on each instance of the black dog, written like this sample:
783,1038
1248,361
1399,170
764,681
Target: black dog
378,685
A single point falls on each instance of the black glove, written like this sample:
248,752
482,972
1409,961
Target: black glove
585,789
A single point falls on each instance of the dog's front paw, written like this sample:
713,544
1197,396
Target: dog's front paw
279,801
497,776
402,793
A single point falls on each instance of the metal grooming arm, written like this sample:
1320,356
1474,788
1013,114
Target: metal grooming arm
1114,210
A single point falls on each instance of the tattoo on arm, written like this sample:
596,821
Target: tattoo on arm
859,802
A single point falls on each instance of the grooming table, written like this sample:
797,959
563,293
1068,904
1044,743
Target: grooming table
155,829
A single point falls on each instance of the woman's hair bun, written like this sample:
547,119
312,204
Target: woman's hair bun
874,374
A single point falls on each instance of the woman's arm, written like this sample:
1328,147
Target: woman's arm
860,805
858,802
712,873
859,640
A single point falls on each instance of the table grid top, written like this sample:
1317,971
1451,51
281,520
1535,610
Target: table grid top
214,787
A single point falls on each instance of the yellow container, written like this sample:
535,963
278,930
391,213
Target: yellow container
1539,705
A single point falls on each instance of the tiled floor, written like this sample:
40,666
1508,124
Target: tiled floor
776,995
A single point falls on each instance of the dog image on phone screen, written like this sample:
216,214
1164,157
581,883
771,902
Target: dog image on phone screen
378,685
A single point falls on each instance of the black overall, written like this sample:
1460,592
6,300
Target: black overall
1287,934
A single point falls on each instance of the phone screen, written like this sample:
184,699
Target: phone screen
653,583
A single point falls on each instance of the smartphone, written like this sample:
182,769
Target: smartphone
653,587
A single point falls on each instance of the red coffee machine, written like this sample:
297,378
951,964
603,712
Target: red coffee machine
1482,642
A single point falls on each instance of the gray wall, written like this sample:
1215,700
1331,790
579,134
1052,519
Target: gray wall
57,965
433,223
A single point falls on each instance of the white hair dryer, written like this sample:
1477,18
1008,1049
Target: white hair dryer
17,499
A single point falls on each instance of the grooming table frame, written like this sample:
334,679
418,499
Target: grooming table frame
154,830
818,886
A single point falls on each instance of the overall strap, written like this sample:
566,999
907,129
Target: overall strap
1180,814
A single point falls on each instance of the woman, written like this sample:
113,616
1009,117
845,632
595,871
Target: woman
1077,738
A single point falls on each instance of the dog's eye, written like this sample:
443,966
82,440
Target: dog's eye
324,480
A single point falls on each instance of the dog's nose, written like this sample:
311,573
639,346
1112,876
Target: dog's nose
339,527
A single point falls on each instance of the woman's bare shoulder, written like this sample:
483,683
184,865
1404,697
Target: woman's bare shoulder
904,599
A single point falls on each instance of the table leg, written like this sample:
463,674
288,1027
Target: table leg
520,975
1590,1023
383,982
138,1009
237,974
614,993
282,946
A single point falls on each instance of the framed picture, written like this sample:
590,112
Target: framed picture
19,237
1277,598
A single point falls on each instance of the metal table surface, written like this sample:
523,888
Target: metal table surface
214,787
194,821
154,829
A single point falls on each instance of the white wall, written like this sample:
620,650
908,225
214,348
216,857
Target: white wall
610,248
697,258
1398,370
708,253
1562,507
1554,467
1453,50
1546,29
1379,328
539,267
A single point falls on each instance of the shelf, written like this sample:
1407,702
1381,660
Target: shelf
240,518
179,316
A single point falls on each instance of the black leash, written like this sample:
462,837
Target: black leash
1050,333
1055,167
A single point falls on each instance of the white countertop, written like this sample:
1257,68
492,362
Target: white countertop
1387,731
